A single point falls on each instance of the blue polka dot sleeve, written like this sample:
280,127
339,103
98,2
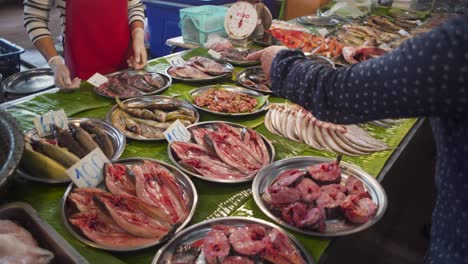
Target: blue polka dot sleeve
425,76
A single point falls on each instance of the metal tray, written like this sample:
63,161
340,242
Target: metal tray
195,92
30,81
158,98
182,179
213,78
242,78
209,124
238,63
319,21
334,227
197,232
166,77
25,216
118,141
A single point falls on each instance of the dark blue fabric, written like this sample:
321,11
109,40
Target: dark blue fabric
426,76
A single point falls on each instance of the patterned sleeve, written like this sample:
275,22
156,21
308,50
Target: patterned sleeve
36,18
136,11
426,76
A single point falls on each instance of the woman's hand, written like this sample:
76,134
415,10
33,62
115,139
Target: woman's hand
266,57
138,60
62,74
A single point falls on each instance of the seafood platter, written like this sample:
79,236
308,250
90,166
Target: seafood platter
228,100
233,240
201,69
142,203
254,78
127,84
146,118
319,196
222,152
236,56
46,159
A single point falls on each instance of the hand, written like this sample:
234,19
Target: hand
138,60
62,74
266,57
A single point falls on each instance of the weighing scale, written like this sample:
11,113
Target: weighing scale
246,20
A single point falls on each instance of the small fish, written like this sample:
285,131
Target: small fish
101,138
66,140
41,165
84,138
117,180
57,153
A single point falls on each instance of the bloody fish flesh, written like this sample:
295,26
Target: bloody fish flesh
117,180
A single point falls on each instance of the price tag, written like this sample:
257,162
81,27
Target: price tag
214,54
418,22
98,79
176,61
323,32
177,132
42,123
88,172
404,33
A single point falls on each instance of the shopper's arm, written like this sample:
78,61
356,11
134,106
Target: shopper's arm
425,76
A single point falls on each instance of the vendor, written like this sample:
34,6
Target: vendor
99,36
426,76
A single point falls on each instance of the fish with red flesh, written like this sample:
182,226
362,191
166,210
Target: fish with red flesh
82,198
309,190
280,250
355,55
325,173
216,247
238,260
248,240
254,141
304,216
354,185
207,65
281,196
359,208
188,72
117,180
289,177
331,202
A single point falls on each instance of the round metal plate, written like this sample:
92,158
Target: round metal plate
198,91
318,21
118,141
334,227
242,79
30,81
197,232
209,124
182,179
166,77
228,74
153,98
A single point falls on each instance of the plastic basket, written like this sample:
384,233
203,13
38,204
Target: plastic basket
10,62
198,22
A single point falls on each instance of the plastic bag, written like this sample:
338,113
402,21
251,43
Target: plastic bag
349,8
217,43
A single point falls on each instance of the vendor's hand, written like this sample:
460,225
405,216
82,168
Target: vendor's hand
138,60
62,74
266,57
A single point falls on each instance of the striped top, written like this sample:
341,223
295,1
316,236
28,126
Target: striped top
36,16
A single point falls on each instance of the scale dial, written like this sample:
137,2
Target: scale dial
241,20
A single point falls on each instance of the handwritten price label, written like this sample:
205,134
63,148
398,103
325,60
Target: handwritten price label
98,79
88,172
177,132
176,61
214,54
42,123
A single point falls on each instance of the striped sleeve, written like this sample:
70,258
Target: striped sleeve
36,18
136,11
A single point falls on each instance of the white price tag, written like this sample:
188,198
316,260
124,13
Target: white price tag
98,79
176,61
404,33
418,22
214,54
42,123
177,132
323,32
88,172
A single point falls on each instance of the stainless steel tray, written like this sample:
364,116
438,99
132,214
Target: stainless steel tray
30,81
166,77
25,216
157,98
182,179
209,124
197,232
118,141
213,78
334,227
242,78
235,89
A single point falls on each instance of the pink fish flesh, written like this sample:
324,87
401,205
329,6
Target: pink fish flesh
188,72
355,55
207,65
359,208
248,240
309,190
199,136
325,173
83,198
280,250
289,177
255,142
216,247
238,260
117,180
283,196
354,185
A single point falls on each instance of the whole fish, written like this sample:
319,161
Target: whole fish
188,72
154,79
101,138
117,180
138,112
62,155
41,165
207,65
84,138
66,140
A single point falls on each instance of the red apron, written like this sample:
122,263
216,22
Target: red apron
97,36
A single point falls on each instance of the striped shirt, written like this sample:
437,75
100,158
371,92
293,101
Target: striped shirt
36,16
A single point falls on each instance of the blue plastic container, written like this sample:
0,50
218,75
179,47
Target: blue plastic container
163,21
10,62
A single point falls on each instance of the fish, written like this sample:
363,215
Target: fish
248,240
154,79
66,140
84,138
115,88
83,198
354,55
185,254
151,105
42,165
117,179
188,72
130,217
280,250
62,155
207,65
101,138
141,112
216,247
182,113
136,81
152,123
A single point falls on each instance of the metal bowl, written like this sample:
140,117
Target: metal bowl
166,77
213,78
182,179
152,98
30,81
235,89
209,124
334,227
12,143
118,141
197,232
243,78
